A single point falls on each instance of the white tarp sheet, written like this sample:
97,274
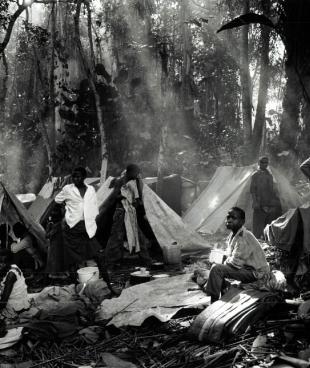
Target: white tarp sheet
161,298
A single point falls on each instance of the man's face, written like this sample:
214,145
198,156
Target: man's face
77,179
233,221
263,164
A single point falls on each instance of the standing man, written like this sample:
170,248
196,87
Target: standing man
266,202
80,221
245,260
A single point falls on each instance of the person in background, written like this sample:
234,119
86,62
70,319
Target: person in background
81,210
245,262
55,256
13,289
266,202
125,232
23,246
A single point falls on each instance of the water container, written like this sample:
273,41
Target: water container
88,274
216,256
172,254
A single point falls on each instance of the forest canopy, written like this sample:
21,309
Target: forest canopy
102,83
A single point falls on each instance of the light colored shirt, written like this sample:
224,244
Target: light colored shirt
244,250
18,299
80,208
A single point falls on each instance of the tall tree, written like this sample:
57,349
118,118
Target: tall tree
260,117
89,70
245,80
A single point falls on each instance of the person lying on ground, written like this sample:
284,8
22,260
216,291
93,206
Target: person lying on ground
245,262
125,232
13,288
15,299
23,246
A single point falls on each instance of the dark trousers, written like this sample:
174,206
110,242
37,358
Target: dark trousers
217,276
262,218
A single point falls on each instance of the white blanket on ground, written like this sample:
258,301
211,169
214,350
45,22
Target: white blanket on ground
161,299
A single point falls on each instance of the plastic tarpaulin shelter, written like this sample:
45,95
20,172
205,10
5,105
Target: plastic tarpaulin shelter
230,186
161,299
40,207
12,211
167,226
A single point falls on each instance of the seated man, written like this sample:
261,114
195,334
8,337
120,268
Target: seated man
246,261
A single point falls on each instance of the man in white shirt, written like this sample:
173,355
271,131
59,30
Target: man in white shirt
80,220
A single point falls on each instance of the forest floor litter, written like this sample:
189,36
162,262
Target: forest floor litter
279,340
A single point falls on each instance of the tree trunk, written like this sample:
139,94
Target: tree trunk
92,82
38,112
161,161
245,80
3,95
187,50
10,27
3,91
304,140
260,118
53,127
291,107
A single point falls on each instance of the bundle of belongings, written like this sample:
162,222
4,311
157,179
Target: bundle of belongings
290,234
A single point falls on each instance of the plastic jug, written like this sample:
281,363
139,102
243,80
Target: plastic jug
216,256
172,254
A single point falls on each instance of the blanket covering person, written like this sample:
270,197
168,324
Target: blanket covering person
246,260
80,220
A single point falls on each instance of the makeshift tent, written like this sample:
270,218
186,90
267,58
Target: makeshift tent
12,211
178,192
166,225
291,234
230,186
